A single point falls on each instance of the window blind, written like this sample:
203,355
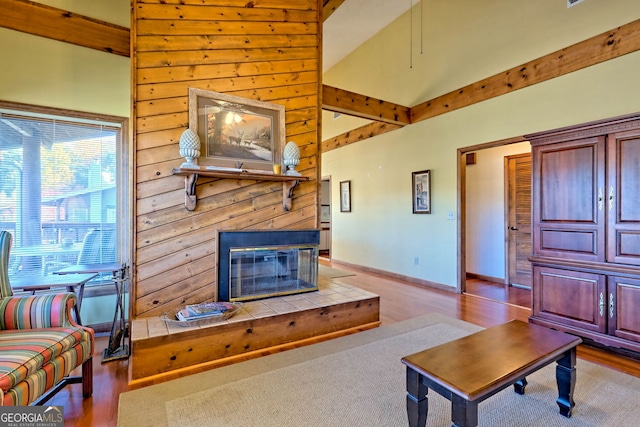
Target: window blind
58,194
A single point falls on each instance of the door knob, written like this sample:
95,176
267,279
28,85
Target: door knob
513,228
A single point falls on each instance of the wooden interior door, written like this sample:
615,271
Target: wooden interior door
519,219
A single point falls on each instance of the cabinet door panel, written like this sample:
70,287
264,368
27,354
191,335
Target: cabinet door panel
623,301
568,199
569,240
623,195
569,297
569,175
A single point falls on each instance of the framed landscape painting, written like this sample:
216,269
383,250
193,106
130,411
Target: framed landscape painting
421,182
236,132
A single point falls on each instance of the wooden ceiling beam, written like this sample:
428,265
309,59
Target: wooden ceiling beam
58,24
603,47
330,6
355,104
357,135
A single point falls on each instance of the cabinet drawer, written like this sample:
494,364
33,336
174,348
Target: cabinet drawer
573,298
569,243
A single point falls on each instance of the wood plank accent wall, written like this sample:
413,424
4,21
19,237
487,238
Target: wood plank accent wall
266,50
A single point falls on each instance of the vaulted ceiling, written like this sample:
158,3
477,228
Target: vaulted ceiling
352,23
347,24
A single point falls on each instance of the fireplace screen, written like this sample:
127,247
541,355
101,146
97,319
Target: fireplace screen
256,264
264,272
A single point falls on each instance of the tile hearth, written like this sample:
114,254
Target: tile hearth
328,293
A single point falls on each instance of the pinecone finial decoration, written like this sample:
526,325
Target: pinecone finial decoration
291,158
190,148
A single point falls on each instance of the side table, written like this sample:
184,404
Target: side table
117,348
42,283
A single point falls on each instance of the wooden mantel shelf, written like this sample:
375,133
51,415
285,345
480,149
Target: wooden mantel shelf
289,182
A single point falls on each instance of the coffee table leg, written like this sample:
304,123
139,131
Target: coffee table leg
417,401
519,386
463,412
566,379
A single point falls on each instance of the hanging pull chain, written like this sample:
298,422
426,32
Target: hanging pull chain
411,30
410,33
421,27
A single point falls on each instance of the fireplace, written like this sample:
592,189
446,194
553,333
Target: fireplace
259,264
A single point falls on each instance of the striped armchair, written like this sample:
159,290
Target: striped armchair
40,343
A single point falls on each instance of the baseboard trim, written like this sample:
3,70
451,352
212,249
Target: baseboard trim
395,276
487,278
100,328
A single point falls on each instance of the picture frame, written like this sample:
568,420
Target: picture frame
345,196
421,190
237,132
325,213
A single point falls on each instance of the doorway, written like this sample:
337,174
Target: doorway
325,218
518,219
485,198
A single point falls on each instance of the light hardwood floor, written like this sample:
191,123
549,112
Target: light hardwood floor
398,301
498,292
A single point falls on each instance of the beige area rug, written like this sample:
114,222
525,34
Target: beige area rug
332,273
358,380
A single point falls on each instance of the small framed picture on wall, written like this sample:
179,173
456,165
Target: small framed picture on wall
421,182
325,213
345,196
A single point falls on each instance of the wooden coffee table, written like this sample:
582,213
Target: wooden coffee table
471,369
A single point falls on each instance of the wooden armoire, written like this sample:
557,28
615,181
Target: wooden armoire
586,231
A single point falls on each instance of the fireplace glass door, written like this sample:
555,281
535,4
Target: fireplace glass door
272,271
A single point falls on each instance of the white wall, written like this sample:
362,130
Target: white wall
466,42
116,12
485,206
39,71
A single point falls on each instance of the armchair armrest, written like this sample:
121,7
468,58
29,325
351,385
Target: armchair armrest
37,311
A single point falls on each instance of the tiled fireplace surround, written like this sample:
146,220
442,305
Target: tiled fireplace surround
162,350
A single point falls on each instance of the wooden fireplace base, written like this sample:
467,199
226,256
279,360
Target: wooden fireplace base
162,351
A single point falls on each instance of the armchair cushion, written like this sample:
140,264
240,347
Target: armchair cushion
38,311
25,352
40,345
